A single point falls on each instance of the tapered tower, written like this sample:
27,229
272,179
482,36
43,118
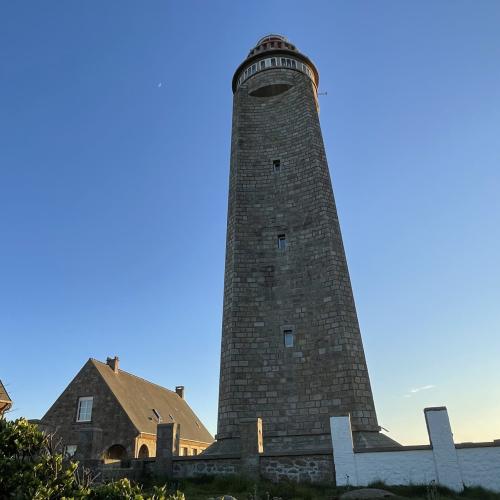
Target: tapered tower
291,346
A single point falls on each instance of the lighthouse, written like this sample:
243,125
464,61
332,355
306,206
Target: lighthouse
291,352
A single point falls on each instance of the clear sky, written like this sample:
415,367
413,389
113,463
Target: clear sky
115,122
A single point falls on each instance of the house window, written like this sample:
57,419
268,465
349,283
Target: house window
288,338
281,241
276,165
69,450
84,413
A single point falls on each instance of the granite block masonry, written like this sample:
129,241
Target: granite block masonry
291,352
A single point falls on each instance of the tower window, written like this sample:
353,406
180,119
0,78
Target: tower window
283,61
84,412
276,165
288,338
281,241
262,64
273,62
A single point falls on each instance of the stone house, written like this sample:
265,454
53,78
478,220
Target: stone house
108,414
5,401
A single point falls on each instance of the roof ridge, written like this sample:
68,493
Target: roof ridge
136,376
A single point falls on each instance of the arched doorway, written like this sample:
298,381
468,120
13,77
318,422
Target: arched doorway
143,452
116,452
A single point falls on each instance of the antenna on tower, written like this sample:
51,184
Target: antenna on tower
322,93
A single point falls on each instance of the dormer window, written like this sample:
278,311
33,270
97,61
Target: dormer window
157,415
84,411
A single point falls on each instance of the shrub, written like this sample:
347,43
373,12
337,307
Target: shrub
30,469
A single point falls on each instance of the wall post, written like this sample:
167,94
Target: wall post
343,451
167,447
252,445
443,448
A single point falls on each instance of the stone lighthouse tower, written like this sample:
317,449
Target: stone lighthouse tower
291,346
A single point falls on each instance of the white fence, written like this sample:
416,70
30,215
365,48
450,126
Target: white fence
448,464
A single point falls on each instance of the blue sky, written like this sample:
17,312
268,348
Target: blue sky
114,156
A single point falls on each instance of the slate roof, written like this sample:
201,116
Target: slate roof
5,401
138,397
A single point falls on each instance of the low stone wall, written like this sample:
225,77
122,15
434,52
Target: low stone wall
314,468
184,467
275,467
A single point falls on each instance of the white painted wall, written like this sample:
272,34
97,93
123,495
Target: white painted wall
442,462
396,467
480,467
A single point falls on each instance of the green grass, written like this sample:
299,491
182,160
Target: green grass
206,487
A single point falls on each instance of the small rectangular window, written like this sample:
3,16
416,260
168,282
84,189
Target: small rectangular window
276,165
70,450
273,62
84,412
288,338
283,61
195,451
185,452
294,64
262,64
281,241
289,63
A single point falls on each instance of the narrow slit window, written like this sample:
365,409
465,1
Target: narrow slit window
276,166
288,338
282,241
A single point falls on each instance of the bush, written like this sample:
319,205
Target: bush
30,469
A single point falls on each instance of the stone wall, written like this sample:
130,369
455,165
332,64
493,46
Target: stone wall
199,466
448,464
311,468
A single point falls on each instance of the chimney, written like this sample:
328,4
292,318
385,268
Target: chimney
180,391
113,363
